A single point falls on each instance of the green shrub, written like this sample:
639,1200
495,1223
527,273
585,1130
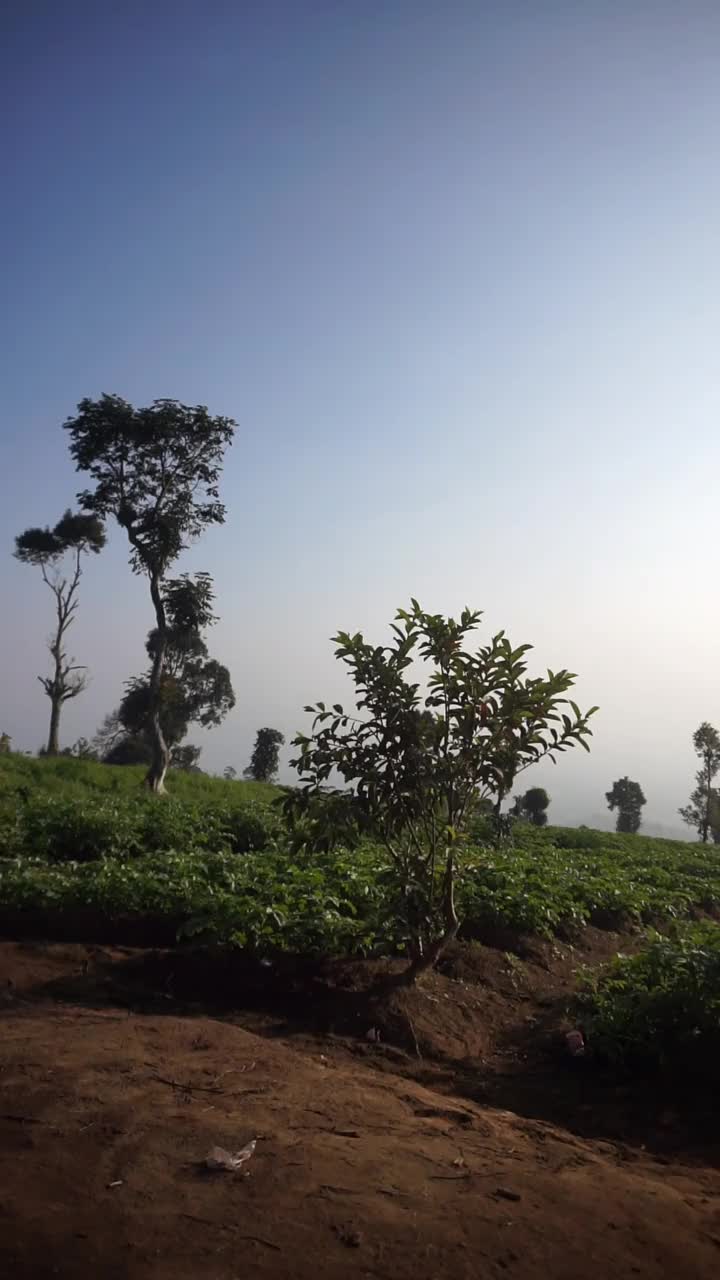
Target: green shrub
259,901
73,810
64,812
660,1008
66,829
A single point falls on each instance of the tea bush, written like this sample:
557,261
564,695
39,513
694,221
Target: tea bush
660,1008
214,856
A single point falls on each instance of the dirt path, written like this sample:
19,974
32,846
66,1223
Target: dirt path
106,1116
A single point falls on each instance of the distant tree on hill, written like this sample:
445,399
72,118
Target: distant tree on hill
80,750
263,765
627,797
156,470
229,774
699,812
532,806
5,744
186,758
58,553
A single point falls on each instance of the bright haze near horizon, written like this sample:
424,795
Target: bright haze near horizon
454,268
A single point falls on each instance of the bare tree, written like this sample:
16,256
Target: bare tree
58,554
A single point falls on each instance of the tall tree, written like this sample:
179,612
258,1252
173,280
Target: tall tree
627,797
157,471
532,806
58,554
699,812
413,785
263,765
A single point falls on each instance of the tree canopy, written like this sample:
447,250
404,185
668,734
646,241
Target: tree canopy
263,765
532,806
194,689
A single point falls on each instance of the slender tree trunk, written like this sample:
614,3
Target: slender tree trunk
53,743
61,685
155,777
429,956
708,804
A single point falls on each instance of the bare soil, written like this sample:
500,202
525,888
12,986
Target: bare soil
441,1133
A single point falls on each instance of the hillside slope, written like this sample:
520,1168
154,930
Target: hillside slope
107,1115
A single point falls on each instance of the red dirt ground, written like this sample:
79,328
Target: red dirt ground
460,1144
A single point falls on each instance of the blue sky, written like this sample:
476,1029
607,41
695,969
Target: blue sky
454,267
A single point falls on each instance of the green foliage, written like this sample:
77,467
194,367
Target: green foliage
64,809
417,763
69,828
186,757
627,797
258,902
74,833
155,469
263,765
700,811
552,878
192,689
661,1008
74,532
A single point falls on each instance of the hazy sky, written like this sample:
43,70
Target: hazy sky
454,267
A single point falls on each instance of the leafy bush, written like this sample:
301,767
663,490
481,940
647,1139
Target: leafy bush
71,810
63,829
549,879
258,901
661,1008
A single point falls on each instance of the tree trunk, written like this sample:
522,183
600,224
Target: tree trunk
708,805
429,956
53,743
155,777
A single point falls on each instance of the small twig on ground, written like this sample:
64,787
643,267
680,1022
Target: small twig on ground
261,1240
224,1226
450,1177
22,1119
204,1088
